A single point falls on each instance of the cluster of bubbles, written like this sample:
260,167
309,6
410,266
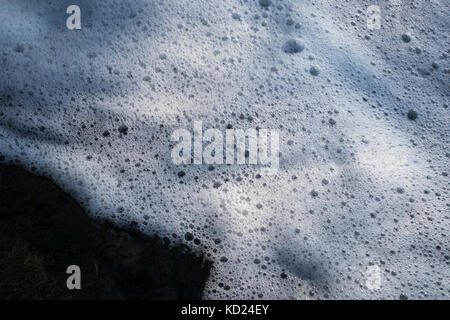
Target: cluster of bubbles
362,115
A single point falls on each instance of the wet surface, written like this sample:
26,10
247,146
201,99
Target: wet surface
43,231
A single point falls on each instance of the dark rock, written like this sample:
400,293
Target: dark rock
43,231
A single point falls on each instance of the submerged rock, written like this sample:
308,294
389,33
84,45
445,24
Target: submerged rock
43,231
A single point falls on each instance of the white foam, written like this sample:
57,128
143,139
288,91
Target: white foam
157,66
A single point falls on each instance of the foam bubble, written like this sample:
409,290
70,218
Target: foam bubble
95,110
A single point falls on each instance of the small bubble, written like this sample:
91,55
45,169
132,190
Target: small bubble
412,115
